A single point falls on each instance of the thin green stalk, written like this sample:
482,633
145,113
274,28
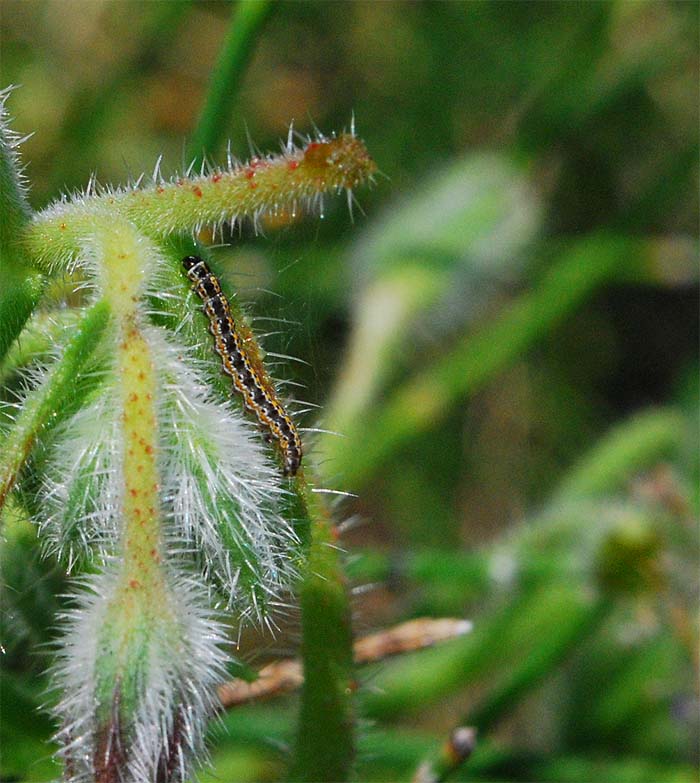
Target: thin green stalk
569,628
56,398
57,235
246,22
325,744
428,398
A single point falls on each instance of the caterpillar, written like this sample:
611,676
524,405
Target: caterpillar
258,398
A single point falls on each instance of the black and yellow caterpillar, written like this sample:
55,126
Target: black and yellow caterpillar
258,397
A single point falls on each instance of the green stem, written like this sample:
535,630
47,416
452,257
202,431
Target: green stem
477,359
20,286
325,743
246,22
61,392
569,627
56,235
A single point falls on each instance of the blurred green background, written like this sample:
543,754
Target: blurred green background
506,335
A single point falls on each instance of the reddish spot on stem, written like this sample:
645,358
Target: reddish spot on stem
216,177
133,492
197,191
253,165
134,584
316,154
293,165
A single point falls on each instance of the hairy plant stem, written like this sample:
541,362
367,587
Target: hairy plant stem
123,258
20,285
14,207
325,743
269,185
142,544
140,596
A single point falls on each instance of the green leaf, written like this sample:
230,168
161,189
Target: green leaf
58,395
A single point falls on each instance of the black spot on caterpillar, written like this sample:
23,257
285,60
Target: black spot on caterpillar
257,397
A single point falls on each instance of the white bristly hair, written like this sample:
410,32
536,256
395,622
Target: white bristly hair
179,648
220,491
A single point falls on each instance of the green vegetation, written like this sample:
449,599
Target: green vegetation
505,336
